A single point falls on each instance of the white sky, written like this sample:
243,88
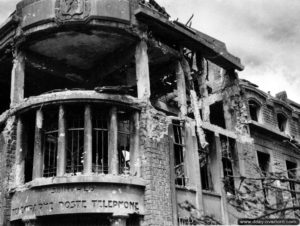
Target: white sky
265,34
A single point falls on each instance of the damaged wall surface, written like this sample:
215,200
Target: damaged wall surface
112,114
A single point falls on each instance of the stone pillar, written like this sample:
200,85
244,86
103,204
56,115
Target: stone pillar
20,155
38,151
203,64
181,89
219,188
17,78
142,70
192,163
88,145
113,160
62,143
196,166
216,164
135,160
227,113
118,221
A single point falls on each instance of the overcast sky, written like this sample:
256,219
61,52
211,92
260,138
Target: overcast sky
265,34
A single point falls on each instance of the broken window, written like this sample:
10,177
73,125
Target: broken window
292,172
228,149
264,165
217,114
282,122
75,141
180,178
254,109
124,142
100,142
50,139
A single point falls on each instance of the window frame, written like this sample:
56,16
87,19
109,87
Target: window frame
284,124
179,169
258,110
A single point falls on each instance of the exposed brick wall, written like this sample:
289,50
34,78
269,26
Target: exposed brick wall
7,161
269,111
154,147
269,115
280,153
294,127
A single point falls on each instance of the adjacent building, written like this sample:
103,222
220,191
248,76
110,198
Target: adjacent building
112,114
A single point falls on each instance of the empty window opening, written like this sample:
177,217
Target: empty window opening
99,219
100,143
75,141
163,81
217,114
264,165
228,149
50,142
282,122
124,142
209,90
292,172
254,110
133,220
180,178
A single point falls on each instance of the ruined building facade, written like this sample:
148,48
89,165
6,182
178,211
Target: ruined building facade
112,114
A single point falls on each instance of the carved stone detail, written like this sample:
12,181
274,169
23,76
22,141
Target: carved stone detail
72,10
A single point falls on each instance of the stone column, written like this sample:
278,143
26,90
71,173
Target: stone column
192,163
20,155
203,64
199,195
118,221
17,78
88,145
38,152
135,161
219,188
113,160
181,89
62,143
142,70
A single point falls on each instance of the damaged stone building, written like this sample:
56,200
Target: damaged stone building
112,114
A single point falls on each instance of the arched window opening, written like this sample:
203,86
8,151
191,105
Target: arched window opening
282,122
254,109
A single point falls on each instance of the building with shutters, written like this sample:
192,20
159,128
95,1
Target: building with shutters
112,114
